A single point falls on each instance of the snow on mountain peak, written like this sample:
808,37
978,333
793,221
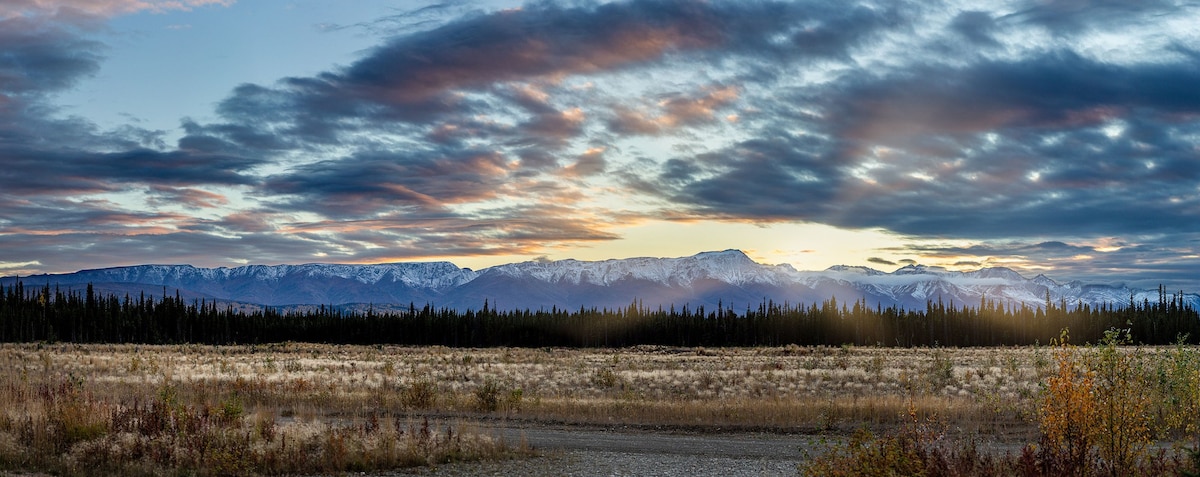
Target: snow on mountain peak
996,272
731,255
1045,281
918,269
418,274
713,275
729,266
854,269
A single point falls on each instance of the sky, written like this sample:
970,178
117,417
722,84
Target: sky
1048,136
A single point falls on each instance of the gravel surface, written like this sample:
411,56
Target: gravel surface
583,463
591,452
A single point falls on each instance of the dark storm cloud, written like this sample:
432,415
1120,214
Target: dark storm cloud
418,77
838,32
52,171
1063,17
46,155
1056,90
179,167
544,40
976,26
373,182
880,261
421,77
777,177
909,152
41,56
52,167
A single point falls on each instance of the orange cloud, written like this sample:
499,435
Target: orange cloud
676,112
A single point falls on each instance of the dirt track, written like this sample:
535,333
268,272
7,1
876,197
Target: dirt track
621,452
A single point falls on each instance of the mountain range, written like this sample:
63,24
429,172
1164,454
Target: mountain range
729,278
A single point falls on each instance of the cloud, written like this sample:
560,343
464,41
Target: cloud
675,111
102,8
1059,89
474,65
1147,263
760,178
187,197
976,26
517,230
1051,144
62,178
47,155
54,171
71,251
589,163
408,21
41,56
1064,17
538,41
520,131
374,182
18,265
266,237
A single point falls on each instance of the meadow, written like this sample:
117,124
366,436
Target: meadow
91,409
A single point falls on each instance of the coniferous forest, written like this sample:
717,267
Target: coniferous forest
53,315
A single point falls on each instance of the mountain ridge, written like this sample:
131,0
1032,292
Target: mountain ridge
727,277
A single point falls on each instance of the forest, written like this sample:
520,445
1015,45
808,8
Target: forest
37,314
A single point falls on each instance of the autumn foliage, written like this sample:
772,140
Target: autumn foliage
1106,410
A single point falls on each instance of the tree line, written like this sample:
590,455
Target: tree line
54,315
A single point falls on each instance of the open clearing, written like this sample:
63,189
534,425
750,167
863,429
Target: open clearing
598,411
790,389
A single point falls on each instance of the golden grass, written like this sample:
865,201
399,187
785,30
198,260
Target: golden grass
783,388
305,408
295,406
128,410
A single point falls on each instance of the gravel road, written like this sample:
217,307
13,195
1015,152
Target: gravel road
622,452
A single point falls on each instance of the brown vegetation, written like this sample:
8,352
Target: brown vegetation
287,408
100,410
1106,410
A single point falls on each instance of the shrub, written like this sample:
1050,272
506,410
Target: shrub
1066,417
1096,412
231,409
487,396
419,395
919,448
941,370
1123,395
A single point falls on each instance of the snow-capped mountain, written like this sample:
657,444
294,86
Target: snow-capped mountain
730,266
276,285
728,277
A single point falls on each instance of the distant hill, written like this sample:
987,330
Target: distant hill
728,277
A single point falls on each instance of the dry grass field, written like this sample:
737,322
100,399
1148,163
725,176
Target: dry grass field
289,408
